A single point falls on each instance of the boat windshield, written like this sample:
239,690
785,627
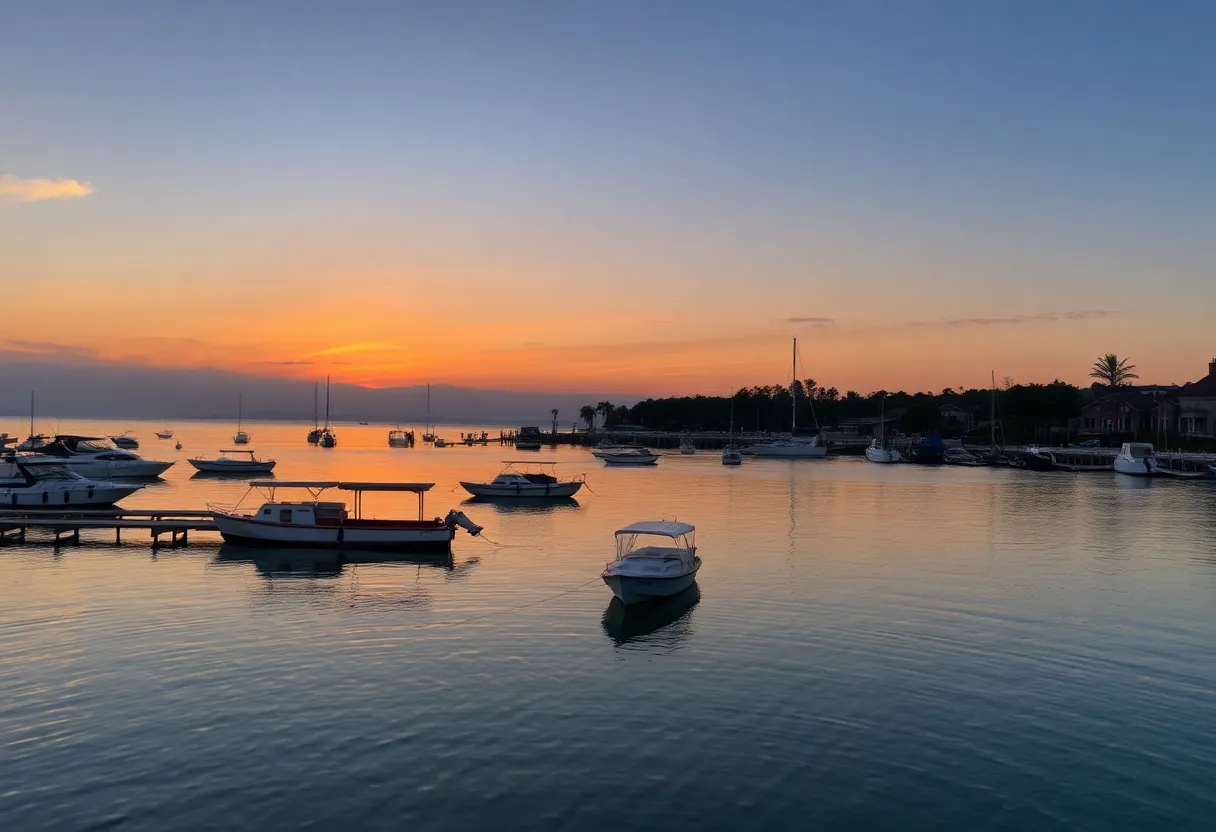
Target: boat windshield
51,472
640,543
90,446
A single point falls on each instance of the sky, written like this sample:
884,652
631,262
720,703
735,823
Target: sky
629,197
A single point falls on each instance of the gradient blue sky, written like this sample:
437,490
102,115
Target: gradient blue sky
471,191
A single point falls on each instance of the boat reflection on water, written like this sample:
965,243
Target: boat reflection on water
665,622
521,505
284,562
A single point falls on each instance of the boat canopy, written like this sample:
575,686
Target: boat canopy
293,484
236,451
416,487
525,462
666,528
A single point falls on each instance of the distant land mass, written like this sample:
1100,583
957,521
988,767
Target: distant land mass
109,390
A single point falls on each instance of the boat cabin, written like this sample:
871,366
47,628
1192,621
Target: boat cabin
318,512
304,513
1136,450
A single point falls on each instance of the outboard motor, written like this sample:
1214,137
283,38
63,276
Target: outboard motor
457,518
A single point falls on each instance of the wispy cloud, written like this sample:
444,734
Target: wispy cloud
45,349
290,363
367,346
808,321
15,189
1014,320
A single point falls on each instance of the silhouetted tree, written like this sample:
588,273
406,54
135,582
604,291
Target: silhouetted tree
1113,370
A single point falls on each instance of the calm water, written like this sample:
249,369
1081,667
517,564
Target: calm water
871,647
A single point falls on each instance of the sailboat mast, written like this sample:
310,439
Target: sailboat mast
240,401
327,402
793,393
31,413
428,407
882,422
315,387
992,415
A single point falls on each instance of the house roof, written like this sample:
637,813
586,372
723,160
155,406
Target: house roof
1204,388
1132,397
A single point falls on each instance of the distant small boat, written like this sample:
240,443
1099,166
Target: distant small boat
440,442
314,435
125,441
327,439
642,573
397,438
731,456
687,446
527,445
240,438
877,452
234,462
363,423
164,434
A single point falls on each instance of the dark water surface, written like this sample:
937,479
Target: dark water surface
871,646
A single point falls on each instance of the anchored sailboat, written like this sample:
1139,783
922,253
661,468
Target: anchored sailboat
795,447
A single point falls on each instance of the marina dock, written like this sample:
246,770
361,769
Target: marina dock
67,526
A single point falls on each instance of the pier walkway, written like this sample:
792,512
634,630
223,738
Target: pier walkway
67,526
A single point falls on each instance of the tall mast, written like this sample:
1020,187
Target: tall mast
793,393
31,413
992,415
428,407
240,397
315,386
882,422
327,402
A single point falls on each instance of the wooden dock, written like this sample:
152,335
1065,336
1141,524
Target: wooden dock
67,526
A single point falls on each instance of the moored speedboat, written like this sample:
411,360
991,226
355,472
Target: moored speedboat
687,446
635,456
646,571
95,457
513,482
731,456
125,441
1137,459
234,462
54,487
960,456
317,523
164,434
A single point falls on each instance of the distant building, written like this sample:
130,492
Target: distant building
874,425
1197,405
956,417
1138,411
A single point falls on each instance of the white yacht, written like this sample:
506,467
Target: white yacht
94,457
644,570
1136,459
234,461
539,483
55,487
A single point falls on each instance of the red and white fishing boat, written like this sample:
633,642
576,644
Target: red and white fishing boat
316,522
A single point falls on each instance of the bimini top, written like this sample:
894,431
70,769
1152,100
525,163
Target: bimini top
294,484
666,528
417,487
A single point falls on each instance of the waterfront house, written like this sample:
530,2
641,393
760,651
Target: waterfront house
1197,405
1135,411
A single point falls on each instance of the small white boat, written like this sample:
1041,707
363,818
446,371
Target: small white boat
687,446
54,487
234,462
317,523
876,452
440,442
646,571
731,456
125,441
634,456
1136,459
164,434
513,482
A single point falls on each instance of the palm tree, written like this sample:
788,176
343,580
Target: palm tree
1113,370
604,409
554,421
587,414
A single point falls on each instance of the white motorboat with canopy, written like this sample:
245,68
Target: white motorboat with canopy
234,461
644,569
54,487
631,456
534,480
315,522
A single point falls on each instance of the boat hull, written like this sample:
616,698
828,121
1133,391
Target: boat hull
95,495
556,490
423,536
883,455
212,467
93,469
631,460
631,590
1136,467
